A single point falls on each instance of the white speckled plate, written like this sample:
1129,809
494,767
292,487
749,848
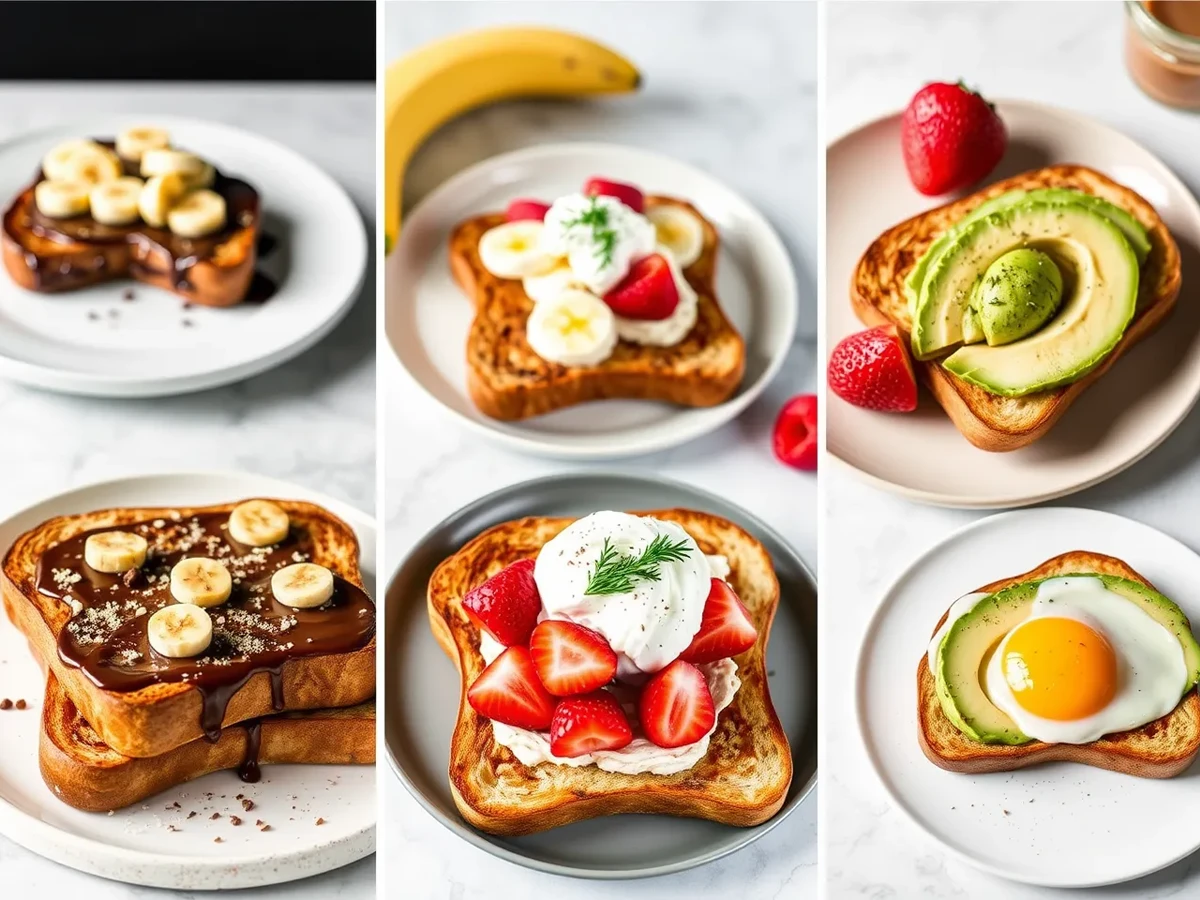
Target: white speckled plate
137,845
1059,824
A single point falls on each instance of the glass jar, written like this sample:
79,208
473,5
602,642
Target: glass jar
1164,62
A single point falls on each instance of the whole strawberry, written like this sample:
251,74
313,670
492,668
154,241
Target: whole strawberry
871,369
951,138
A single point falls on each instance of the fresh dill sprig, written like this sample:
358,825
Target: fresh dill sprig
615,573
604,237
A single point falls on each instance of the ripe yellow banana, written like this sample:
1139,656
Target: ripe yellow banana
439,81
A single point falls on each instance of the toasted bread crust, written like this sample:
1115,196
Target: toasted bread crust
989,421
507,380
1160,749
743,779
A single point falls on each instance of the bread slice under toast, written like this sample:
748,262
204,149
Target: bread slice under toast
1159,749
742,780
988,420
86,773
507,380
153,720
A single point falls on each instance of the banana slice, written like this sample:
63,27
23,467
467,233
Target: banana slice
81,161
116,202
204,180
61,199
158,196
680,231
302,586
540,288
179,631
132,143
197,214
513,250
115,551
161,162
575,329
258,523
201,581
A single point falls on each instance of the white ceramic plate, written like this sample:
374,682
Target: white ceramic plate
1116,422
135,845
1060,824
93,342
428,316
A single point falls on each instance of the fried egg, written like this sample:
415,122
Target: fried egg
1084,663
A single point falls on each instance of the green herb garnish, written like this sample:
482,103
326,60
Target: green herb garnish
615,573
604,237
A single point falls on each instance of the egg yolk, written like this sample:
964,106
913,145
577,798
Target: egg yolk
1060,668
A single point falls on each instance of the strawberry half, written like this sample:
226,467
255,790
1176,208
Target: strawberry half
647,292
571,659
508,691
795,437
506,606
626,193
725,630
871,369
587,724
520,210
676,708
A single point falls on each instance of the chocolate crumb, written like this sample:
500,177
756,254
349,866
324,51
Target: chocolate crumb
192,814
235,820
172,828
247,804
132,578
175,805
6,703
258,822
127,296
187,305
320,821
240,797
215,816
218,840
265,828
20,704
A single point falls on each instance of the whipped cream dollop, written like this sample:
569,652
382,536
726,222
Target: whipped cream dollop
567,233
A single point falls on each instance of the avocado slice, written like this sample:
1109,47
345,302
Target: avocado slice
1130,227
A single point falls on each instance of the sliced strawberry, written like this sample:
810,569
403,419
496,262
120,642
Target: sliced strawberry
626,193
571,659
506,606
589,723
725,630
872,369
509,691
519,210
795,437
647,292
676,707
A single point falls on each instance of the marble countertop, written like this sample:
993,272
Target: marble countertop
878,55
312,420
698,111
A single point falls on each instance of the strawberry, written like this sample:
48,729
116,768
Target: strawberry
506,606
871,369
676,707
508,691
725,630
589,723
571,659
526,209
951,138
795,436
626,193
647,292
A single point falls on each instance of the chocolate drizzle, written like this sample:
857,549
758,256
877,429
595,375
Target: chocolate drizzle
249,770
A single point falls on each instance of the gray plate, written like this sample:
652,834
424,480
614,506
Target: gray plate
422,692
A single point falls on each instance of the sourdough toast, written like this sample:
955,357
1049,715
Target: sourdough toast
507,380
1159,749
742,780
150,720
86,773
987,420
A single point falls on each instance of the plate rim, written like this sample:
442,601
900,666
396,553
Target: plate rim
956,501
468,834
730,409
58,845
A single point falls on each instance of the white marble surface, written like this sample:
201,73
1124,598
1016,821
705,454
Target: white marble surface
717,76
878,56
311,420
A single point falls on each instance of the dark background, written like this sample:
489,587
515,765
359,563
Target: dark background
218,40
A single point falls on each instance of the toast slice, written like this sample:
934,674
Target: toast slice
1159,749
987,420
742,780
153,720
507,380
87,774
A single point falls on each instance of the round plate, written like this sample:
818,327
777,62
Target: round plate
135,845
1116,422
93,341
1059,824
423,686
428,316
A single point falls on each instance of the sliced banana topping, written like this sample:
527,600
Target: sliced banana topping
200,581
540,288
132,143
513,250
115,202
575,329
179,631
680,231
197,214
115,551
204,180
61,199
161,162
303,585
81,161
258,523
158,196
